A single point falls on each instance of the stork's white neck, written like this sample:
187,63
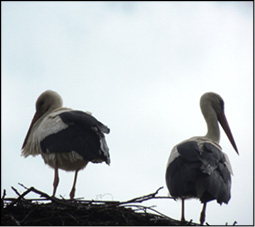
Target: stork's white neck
213,131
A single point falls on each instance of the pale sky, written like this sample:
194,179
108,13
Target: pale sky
140,68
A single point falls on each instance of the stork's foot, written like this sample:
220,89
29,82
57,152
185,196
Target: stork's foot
55,185
74,183
202,219
202,216
182,217
72,193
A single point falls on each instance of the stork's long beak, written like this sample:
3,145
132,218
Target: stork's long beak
224,123
35,118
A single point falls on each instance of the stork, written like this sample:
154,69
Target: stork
197,167
66,139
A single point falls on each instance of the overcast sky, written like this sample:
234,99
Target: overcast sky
140,68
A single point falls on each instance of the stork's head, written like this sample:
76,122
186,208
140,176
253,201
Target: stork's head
46,102
212,103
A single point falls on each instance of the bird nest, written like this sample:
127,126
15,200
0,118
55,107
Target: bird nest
53,211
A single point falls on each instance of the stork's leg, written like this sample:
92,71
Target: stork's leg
202,216
73,188
182,218
56,179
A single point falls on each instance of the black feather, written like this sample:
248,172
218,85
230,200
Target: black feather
199,172
83,135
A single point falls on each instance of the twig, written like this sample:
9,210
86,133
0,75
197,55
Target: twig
2,199
77,222
143,198
22,185
15,190
28,214
34,190
4,194
149,208
62,197
14,219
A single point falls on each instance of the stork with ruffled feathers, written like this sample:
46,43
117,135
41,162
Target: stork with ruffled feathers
66,139
197,167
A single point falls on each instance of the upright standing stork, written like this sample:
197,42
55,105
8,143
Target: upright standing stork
197,167
67,139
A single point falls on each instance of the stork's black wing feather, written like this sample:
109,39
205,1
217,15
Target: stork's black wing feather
84,135
217,179
199,171
86,120
181,173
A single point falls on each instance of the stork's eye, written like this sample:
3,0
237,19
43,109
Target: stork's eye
222,104
41,103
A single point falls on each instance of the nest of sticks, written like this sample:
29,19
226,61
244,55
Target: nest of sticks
49,210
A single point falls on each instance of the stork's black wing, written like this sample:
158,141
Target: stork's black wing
216,175
199,171
84,135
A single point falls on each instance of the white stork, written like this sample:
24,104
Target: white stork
197,167
67,139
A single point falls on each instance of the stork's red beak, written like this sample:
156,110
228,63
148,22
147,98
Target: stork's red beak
224,123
